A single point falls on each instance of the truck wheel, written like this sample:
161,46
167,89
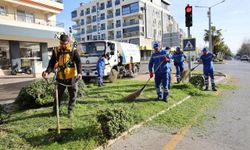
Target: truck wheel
86,79
135,72
113,75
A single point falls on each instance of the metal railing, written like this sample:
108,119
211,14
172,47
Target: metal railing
76,26
135,22
110,16
131,34
110,27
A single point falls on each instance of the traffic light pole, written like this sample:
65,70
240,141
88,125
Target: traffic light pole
189,56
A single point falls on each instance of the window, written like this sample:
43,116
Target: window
117,12
102,6
4,55
118,23
117,2
82,22
82,13
25,16
131,8
74,14
83,31
94,19
95,38
103,36
109,4
87,11
29,50
94,28
103,26
3,10
118,34
93,9
102,16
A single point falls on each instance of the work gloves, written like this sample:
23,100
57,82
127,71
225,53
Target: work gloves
151,74
166,59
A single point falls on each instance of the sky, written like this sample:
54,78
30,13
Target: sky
232,16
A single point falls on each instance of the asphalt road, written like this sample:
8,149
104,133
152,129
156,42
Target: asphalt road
230,130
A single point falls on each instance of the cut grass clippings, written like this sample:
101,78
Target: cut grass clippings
28,129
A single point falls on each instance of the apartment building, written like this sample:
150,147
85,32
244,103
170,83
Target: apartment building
135,21
27,29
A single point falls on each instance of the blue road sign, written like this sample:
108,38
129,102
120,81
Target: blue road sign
189,44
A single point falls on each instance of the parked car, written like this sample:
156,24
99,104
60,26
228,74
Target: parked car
244,58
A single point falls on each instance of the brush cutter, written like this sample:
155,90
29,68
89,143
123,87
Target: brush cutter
58,128
137,93
185,73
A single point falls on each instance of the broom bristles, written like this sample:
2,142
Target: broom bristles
184,74
133,95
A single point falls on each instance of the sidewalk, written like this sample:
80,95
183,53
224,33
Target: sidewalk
11,85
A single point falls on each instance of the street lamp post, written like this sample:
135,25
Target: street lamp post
210,22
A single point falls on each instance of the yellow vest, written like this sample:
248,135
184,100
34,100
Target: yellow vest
62,57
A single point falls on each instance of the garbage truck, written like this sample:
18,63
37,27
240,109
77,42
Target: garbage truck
124,59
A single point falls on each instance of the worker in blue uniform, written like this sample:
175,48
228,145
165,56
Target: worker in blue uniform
100,66
208,68
179,58
167,49
159,63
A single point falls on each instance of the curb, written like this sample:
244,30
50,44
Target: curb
137,126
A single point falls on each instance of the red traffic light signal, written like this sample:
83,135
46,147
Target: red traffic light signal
188,15
188,9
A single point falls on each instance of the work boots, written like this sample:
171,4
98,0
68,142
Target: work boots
213,87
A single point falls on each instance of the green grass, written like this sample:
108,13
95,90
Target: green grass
191,112
28,129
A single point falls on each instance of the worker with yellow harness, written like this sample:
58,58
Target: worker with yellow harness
67,61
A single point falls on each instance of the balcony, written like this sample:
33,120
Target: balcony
118,25
134,22
111,37
77,36
87,12
110,16
110,27
76,26
117,2
131,34
102,7
94,30
118,36
109,5
93,10
88,22
89,31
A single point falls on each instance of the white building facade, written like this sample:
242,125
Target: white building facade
134,21
27,29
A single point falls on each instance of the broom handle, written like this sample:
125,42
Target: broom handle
195,67
57,110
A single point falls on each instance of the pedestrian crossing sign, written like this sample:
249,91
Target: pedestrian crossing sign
189,44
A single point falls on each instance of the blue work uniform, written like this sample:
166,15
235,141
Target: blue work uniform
169,66
100,66
179,59
208,68
161,70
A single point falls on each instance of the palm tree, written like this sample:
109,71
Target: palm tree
217,38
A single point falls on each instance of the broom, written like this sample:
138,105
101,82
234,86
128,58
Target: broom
185,73
137,93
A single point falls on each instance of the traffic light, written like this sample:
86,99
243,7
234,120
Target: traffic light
189,16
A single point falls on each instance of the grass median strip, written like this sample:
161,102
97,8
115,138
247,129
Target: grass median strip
28,129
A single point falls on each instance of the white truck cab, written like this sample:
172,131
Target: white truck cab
124,58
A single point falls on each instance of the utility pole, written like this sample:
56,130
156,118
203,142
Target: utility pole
210,30
210,23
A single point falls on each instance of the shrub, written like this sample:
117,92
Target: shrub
197,81
3,115
113,122
40,94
